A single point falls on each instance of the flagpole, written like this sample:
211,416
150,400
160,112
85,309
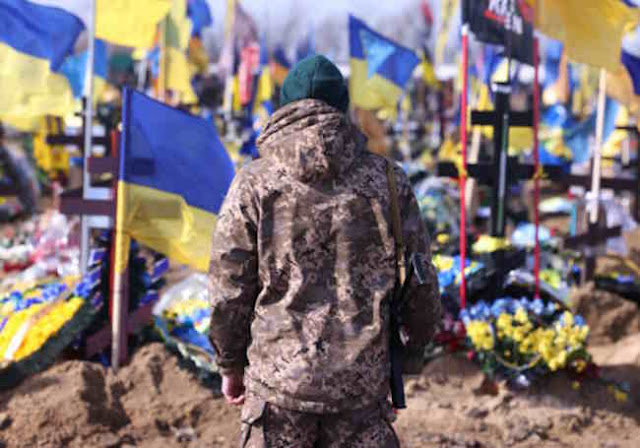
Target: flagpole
463,169
536,163
597,154
88,131
120,253
163,60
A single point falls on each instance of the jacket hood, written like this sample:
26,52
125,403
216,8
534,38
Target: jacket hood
311,140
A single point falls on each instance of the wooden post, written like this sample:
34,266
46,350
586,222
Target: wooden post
597,152
463,175
88,132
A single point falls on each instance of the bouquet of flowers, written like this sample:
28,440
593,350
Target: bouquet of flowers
522,339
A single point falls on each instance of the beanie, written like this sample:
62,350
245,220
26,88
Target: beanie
315,77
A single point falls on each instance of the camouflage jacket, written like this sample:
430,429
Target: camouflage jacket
303,266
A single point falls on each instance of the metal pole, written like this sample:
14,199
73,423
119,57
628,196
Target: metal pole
597,152
463,175
88,134
536,163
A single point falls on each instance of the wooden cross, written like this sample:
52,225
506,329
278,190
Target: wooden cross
503,170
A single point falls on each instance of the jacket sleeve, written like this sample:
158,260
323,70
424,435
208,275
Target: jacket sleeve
233,276
421,313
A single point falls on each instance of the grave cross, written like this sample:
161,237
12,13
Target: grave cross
502,170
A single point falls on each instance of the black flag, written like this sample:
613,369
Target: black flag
494,21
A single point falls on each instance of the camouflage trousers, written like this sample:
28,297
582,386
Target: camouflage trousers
268,426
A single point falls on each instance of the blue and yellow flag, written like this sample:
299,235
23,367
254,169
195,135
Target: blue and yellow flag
34,42
280,65
174,175
200,15
591,30
75,67
262,104
131,23
380,68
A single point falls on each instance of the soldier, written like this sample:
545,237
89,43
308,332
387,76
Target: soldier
302,270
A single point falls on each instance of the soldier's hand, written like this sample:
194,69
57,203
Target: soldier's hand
233,388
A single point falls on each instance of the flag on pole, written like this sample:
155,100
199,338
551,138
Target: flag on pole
174,175
177,32
200,15
495,22
280,65
631,57
75,68
241,31
591,30
34,42
131,23
380,68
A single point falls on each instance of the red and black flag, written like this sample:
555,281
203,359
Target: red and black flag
502,22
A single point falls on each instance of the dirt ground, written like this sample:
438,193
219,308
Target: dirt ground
152,402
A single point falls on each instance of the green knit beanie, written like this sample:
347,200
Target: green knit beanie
315,77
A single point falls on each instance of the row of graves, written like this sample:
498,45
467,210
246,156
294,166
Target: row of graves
504,278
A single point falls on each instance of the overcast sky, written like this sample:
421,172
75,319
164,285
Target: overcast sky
286,22
277,11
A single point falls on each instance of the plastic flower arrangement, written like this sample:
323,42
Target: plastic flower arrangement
29,318
489,244
522,339
449,269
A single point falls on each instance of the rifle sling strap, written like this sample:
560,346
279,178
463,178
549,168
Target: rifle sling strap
396,222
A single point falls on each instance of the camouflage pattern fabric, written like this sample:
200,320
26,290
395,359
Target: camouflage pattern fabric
303,267
265,425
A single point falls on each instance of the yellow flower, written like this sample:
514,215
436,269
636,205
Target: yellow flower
481,335
45,327
620,396
442,262
575,385
521,316
568,319
580,365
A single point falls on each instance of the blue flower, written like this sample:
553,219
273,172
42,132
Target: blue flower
524,303
578,320
498,307
480,311
625,279
549,309
537,307
465,316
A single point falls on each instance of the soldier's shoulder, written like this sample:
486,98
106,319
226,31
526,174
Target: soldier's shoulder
379,163
253,171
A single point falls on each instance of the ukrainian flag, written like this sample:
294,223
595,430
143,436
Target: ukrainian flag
174,175
280,66
34,42
380,68
75,67
262,106
264,88
200,15
177,31
131,23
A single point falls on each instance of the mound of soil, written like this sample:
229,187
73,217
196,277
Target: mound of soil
154,403
609,316
149,403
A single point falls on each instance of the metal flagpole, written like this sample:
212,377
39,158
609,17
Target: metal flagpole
88,134
463,174
597,152
536,163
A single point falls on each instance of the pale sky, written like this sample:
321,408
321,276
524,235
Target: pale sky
278,10
287,21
